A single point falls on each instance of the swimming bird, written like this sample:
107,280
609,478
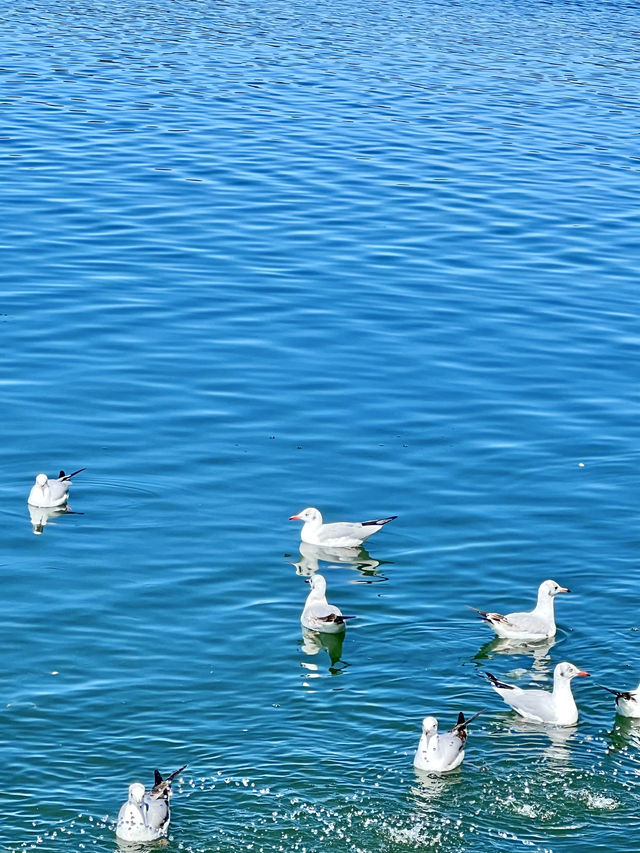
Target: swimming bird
537,624
146,814
317,614
341,534
441,753
557,707
627,701
46,492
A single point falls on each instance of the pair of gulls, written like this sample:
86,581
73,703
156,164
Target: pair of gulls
146,814
318,614
444,752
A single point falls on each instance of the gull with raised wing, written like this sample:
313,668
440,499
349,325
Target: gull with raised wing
536,624
340,534
441,753
146,814
47,493
627,701
317,614
557,707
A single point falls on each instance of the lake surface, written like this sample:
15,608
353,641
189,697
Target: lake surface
380,259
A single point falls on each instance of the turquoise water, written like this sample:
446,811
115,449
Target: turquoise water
380,259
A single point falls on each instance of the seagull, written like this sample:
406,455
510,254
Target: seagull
342,534
318,615
537,624
146,815
441,753
627,701
541,706
46,492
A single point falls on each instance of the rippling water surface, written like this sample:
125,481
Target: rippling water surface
377,258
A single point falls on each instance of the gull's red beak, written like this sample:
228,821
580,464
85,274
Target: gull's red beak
564,589
294,518
583,672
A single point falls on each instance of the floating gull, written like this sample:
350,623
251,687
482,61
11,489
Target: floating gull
627,701
146,815
340,534
557,707
537,624
318,615
46,492
441,752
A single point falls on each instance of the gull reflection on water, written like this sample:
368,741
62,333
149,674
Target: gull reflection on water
314,642
131,846
311,555
41,516
538,649
429,787
625,733
558,752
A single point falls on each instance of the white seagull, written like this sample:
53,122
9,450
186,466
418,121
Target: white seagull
536,624
557,707
46,492
146,814
340,534
627,701
317,614
441,753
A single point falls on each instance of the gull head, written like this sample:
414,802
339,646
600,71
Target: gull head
42,480
318,583
429,726
136,792
551,588
568,671
309,514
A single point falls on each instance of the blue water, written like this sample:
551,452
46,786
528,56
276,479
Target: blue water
380,259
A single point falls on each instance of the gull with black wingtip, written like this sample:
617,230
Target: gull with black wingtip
536,624
557,707
318,614
146,814
55,492
441,753
339,534
627,701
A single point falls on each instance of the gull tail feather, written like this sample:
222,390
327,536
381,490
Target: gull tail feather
63,476
332,617
175,773
462,723
483,613
497,683
617,693
379,521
